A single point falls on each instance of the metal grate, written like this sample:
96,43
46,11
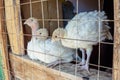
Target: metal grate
95,68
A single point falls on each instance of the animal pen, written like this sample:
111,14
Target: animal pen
14,36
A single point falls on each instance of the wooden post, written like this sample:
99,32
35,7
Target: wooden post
14,26
3,40
116,59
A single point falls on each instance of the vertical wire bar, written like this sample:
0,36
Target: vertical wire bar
43,23
32,35
30,8
99,25
43,19
76,40
58,13
58,21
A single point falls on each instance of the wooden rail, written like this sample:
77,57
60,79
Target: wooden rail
116,60
3,44
26,69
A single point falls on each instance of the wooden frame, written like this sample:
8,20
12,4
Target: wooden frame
116,58
39,72
3,40
14,26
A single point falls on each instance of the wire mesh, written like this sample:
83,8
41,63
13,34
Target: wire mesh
57,22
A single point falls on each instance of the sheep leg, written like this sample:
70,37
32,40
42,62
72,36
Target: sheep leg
86,66
53,64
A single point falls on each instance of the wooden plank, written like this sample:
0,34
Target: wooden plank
116,60
3,46
14,26
28,70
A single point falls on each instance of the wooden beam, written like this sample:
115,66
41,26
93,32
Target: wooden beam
14,26
26,69
116,59
3,42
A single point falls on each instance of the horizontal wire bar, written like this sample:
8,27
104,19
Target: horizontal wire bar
30,35
95,65
25,3
60,20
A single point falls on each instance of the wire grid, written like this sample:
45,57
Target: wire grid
58,21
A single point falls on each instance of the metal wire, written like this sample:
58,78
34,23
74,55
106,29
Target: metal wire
58,24
76,70
99,9
42,14
59,20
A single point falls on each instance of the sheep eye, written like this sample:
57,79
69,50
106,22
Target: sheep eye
40,33
55,36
